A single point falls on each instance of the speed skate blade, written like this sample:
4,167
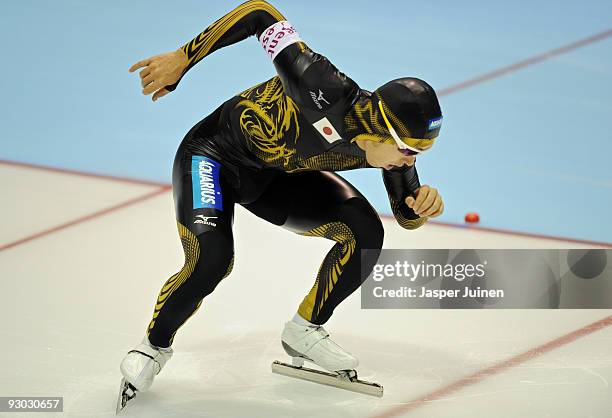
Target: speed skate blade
127,392
326,378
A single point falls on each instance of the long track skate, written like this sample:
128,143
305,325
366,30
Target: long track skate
343,379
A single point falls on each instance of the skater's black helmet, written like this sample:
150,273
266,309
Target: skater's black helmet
410,110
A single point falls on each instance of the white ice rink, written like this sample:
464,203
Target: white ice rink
82,260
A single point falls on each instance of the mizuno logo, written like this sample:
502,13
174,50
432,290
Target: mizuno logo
318,99
201,219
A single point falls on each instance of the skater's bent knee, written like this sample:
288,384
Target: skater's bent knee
216,248
364,223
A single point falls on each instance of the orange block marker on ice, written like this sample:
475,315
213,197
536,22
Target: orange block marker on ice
472,218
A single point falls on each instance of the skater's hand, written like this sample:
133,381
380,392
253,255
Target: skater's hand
160,71
428,202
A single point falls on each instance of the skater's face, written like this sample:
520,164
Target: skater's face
384,155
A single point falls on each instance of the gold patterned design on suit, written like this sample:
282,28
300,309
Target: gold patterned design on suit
229,270
330,161
331,268
405,222
364,116
191,247
269,120
200,46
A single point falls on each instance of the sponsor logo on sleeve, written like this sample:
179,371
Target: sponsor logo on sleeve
278,37
317,99
201,219
205,183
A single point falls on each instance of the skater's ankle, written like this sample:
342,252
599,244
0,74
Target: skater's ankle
164,346
298,319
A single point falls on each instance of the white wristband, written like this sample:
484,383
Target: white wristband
277,37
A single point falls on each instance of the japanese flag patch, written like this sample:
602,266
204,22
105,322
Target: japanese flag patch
327,131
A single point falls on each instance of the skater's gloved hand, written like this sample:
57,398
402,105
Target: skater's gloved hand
160,71
428,202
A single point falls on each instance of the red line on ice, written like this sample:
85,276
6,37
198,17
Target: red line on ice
495,369
516,233
80,173
536,59
85,218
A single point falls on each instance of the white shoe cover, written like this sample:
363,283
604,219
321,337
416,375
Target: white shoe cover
314,344
143,363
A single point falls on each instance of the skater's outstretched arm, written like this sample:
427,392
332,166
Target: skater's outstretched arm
411,203
250,18
162,73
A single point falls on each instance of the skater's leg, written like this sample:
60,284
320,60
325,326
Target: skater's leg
323,204
204,209
208,259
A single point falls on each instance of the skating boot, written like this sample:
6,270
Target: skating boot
312,343
139,368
